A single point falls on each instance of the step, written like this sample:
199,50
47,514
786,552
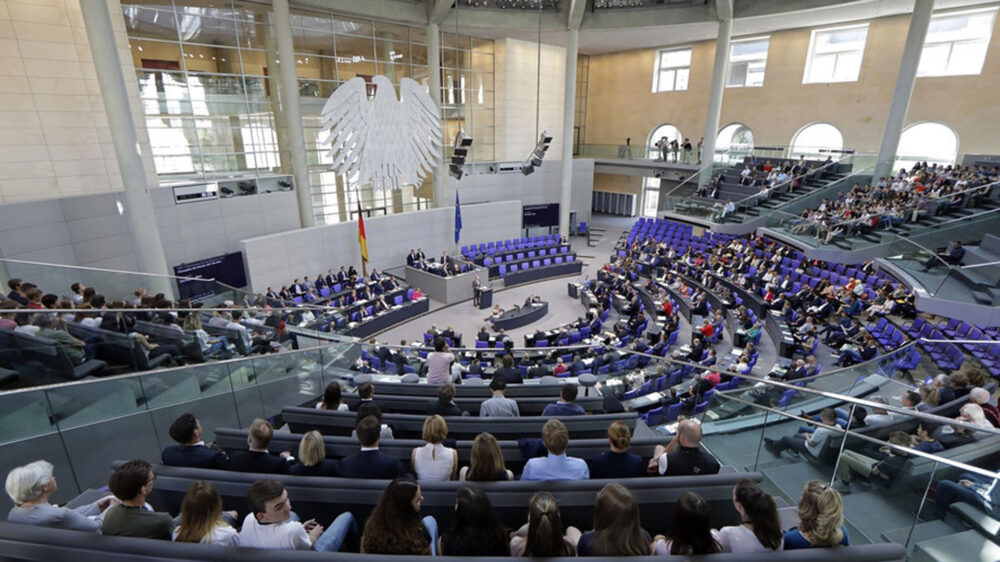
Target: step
920,532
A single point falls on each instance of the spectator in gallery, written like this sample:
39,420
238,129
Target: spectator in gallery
31,486
485,461
131,483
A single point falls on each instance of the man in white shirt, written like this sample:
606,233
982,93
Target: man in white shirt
271,524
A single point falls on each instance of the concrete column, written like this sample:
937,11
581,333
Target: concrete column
434,85
292,110
569,112
715,97
138,204
919,22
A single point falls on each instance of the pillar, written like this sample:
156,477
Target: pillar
919,22
434,85
569,112
138,205
292,110
715,97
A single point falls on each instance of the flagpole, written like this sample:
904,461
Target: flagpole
362,239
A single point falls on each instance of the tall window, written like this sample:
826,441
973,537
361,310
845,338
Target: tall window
672,70
747,59
817,140
650,196
956,43
835,54
733,143
930,142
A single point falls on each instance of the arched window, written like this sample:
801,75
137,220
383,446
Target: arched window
934,142
817,137
733,143
665,130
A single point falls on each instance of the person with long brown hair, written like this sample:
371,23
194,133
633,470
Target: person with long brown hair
201,518
617,529
760,529
543,535
395,527
486,461
821,518
475,530
691,532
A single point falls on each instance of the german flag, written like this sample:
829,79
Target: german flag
362,239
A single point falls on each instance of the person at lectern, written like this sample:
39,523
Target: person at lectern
477,291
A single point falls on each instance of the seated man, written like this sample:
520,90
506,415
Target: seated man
805,443
683,456
270,523
191,450
618,462
498,406
555,466
974,489
952,257
131,483
508,373
884,463
370,462
566,406
257,458
445,403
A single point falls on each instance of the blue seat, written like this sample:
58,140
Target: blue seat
559,259
654,416
398,299
673,412
324,292
482,344
786,397
547,261
542,343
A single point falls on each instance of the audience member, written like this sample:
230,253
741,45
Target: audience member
202,518
131,483
970,488
190,449
270,523
760,530
543,535
332,398
821,519
370,462
395,527
566,406
617,528
498,406
445,403
885,463
475,528
684,454
618,462
555,466
434,461
809,444
370,408
31,486
508,373
257,458
312,458
981,397
691,532
439,363
485,461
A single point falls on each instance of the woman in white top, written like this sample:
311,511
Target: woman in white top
761,528
201,518
439,363
333,398
434,461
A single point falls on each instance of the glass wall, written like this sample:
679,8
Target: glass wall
208,87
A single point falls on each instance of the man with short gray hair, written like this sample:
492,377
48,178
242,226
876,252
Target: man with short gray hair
981,396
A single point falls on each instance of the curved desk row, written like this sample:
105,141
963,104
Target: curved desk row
519,317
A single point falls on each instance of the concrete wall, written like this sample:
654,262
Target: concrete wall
277,259
54,136
774,112
516,68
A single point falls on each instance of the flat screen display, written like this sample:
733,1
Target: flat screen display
227,268
546,214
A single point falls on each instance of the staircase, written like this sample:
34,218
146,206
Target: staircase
925,224
782,197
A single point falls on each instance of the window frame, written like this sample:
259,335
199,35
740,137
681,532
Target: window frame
951,43
659,69
811,54
729,67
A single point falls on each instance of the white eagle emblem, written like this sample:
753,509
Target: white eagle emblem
387,142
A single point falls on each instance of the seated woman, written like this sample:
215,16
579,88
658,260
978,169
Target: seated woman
485,462
691,532
543,534
208,344
30,487
332,398
202,518
761,528
617,529
312,458
434,461
821,519
395,527
475,530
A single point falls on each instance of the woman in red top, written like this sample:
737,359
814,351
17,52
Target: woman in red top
668,308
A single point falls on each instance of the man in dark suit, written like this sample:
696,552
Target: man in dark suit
445,403
509,373
577,366
483,334
257,458
566,406
370,462
191,450
618,462
538,371
330,279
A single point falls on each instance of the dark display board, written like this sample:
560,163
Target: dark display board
540,215
227,269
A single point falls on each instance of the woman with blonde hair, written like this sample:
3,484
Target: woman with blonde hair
434,461
208,344
486,461
821,519
930,395
312,458
201,518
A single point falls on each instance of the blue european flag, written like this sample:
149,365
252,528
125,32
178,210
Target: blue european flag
458,218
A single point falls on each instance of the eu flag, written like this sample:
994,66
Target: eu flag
458,218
